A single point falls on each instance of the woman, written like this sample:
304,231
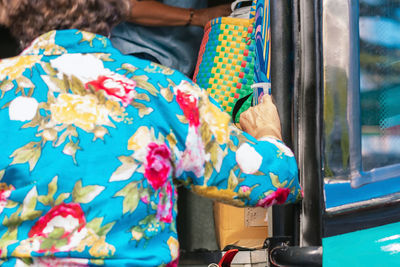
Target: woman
97,141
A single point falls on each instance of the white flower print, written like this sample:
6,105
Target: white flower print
248,159
23,108
285,150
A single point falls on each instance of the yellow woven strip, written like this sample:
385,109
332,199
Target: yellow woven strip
232,49
217,70
231,38
222,82
237,21
231,56
229,67
233,45
225,90
234,79
232,61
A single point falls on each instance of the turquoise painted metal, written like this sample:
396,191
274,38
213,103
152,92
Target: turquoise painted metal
375,247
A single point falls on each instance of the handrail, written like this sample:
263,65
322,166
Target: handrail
296,256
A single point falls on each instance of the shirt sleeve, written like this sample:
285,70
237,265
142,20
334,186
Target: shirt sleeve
221,162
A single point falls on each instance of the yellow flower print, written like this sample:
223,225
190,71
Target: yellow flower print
101,248
45,42
140,139
24,249
227,196
117,112
218,122
157,68
173,247
137,235
89,37
14,67
88,241
81,111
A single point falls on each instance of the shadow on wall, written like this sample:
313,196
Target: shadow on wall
195,222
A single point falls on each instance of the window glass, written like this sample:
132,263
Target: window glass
379,29
336,83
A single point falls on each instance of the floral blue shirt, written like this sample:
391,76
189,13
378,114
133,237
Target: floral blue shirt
93,145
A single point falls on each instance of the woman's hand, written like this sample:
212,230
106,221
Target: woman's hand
202,16
262,120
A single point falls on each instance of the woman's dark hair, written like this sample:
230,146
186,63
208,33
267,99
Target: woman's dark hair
28,19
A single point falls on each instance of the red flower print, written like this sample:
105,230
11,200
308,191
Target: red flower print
244,192
173,263
164,208
5,192
116,87
63,210
157,164
188,104
277,197
62,228
145,199
245,189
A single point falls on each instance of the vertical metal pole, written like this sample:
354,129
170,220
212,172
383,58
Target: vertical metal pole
282,83
309,122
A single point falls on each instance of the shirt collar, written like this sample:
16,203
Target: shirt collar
68,41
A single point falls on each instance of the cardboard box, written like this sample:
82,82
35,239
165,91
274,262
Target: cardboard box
243,227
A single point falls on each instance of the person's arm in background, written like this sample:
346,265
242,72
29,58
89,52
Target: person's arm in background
153,13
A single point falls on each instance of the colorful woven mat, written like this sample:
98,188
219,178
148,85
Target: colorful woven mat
225,66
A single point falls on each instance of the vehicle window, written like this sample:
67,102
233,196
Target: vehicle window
361,100
379,31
